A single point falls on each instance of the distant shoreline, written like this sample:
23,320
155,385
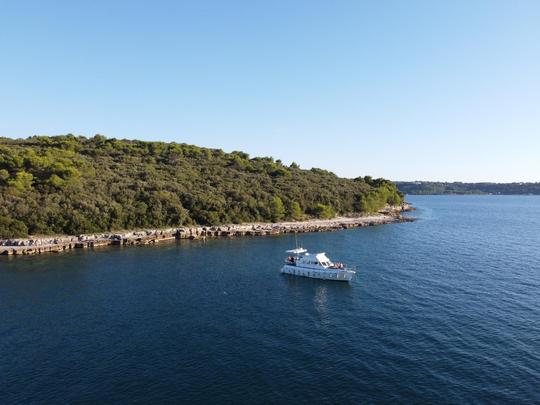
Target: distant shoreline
459,188
58,244
475,194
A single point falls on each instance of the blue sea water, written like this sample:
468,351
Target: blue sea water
445,309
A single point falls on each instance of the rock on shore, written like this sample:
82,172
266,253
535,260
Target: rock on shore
58,244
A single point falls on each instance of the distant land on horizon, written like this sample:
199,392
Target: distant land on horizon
439,187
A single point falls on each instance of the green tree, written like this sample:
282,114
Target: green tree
4,175
22,181
277,209
323,211
295,211
12,228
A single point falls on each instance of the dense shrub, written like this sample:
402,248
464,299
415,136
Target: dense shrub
69,184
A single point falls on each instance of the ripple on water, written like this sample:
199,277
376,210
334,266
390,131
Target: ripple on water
444,309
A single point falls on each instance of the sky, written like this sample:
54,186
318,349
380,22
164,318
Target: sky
406,90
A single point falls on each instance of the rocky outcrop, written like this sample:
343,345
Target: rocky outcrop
62,243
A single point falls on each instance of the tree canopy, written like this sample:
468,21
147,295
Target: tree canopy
70,185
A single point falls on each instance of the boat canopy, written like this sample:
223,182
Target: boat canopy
322,258
297,251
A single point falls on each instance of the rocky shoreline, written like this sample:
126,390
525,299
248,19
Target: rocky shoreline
31,246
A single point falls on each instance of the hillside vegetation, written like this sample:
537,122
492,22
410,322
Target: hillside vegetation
71,185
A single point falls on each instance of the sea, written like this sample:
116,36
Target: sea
445,309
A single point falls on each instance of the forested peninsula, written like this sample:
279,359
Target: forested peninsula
73,185
434,187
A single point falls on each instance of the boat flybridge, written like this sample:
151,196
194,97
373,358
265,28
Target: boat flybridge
301,263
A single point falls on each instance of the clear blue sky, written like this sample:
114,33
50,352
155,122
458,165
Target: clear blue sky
437,90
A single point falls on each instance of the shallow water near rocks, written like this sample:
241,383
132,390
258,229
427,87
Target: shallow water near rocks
443,309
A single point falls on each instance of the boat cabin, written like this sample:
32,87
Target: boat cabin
301,263
302,258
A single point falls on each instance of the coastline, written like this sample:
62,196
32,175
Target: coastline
58,244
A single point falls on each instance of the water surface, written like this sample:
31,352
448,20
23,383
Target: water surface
445,309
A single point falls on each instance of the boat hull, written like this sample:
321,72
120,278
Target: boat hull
326,274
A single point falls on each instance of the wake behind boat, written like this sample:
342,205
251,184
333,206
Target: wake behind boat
301,263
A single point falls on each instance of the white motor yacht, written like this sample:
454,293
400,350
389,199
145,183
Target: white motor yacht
301,263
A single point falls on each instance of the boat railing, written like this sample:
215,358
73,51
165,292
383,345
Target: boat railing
342,266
